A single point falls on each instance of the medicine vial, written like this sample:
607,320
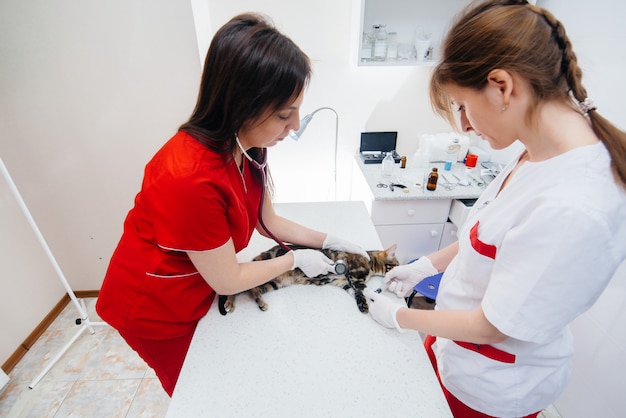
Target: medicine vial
432,179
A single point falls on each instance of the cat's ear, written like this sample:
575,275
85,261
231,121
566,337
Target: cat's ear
391,251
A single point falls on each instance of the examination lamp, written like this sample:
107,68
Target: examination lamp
295,135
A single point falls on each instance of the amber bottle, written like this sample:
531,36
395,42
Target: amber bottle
432,179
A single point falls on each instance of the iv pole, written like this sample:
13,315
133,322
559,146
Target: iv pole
80,306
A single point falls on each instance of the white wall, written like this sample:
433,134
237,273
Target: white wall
366,98
29,287
88,91
596,388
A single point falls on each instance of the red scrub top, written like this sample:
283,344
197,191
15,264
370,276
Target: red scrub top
191,199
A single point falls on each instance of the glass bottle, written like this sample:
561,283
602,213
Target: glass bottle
432,179
380,43
387,164
392,46
422,43
366,47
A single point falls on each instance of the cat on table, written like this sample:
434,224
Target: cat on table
359,270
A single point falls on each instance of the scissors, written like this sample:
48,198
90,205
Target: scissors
391,186
447,185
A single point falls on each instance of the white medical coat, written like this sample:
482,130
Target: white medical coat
541,252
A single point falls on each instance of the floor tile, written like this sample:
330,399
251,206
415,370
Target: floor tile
99,398
150,400
98,376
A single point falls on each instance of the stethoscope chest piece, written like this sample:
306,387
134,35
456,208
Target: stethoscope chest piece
340,267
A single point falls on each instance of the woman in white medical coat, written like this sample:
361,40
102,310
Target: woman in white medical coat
545,237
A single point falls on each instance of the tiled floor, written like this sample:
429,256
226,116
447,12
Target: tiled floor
99,376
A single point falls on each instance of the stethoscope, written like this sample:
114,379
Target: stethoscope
262,167
340,265
341,268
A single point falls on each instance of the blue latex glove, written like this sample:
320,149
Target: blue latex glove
334,243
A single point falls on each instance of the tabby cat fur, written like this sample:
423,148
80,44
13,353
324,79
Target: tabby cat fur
359,269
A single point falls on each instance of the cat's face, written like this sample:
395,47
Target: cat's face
383,261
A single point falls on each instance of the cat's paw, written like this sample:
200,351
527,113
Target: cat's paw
226,304
361,302
262,305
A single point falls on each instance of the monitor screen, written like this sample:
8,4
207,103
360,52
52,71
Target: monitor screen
378,141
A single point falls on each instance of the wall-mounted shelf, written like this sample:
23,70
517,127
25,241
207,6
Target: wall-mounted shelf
407,18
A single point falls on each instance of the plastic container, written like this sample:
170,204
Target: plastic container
471,160
380,43
366,47
392,46
387,164
452,153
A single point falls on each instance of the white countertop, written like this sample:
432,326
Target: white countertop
415,180
312,354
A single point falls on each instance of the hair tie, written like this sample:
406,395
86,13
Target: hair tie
586,106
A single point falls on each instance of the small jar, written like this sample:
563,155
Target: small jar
432,179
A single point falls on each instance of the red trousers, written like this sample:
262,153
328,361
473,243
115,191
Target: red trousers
458,408
165,357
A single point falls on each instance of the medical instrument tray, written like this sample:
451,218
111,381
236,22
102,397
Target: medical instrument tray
375,145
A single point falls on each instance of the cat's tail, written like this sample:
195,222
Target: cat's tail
221,304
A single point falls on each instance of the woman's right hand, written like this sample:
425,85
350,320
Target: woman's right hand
402,279
312,262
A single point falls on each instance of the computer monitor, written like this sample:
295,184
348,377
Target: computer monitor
378,141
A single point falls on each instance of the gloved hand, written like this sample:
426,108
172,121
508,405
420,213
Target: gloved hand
402,279
334,243
312,262
383,309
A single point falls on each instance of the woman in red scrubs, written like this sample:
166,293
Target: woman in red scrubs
200,198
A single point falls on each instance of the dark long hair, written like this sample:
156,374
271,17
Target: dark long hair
250,68
525,39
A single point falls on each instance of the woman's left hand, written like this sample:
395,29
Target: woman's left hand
334,243
383,309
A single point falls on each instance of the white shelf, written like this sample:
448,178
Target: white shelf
406,18
396,63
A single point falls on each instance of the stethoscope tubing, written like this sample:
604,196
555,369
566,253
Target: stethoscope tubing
260,214
262,167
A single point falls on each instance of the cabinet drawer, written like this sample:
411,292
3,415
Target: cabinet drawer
394,212
449,234
460,209
413,240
